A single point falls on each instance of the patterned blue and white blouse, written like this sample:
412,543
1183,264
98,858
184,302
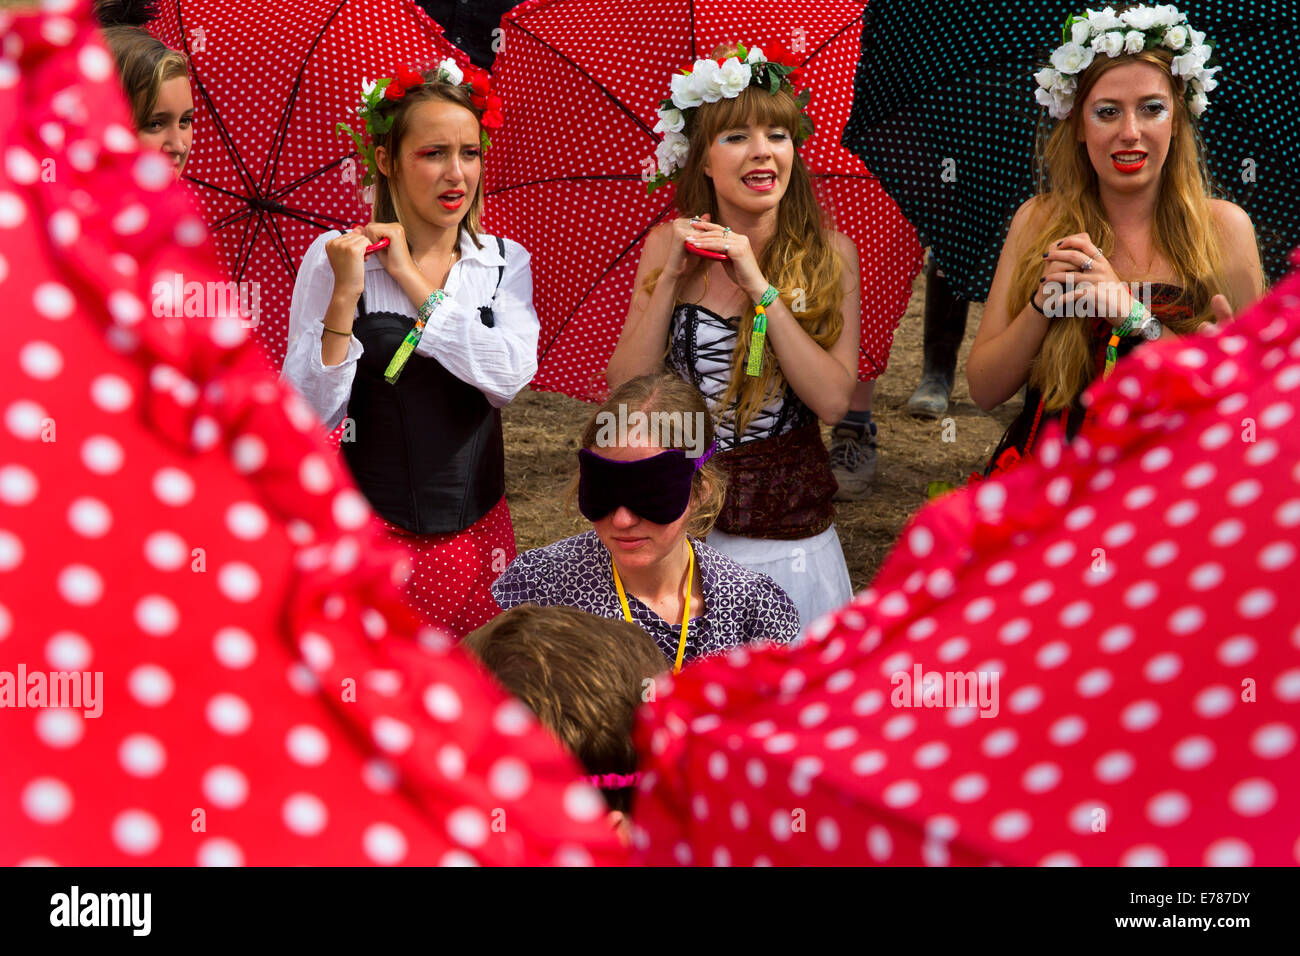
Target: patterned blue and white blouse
739,605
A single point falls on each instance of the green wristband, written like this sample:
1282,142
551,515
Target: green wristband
1136,316
770,296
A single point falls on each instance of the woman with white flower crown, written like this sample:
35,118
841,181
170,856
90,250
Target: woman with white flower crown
1124,214
754,300
421,346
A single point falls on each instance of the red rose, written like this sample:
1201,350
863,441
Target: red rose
494,102
479,101
394,90
776,52
796,76
481,84
493,119
409,77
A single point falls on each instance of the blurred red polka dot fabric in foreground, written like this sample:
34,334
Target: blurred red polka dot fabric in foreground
173,521
1133,594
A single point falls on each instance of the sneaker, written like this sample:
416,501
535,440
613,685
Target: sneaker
853,459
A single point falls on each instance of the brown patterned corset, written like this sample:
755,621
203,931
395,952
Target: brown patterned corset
779,487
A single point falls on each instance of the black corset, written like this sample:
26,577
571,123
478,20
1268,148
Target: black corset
427,451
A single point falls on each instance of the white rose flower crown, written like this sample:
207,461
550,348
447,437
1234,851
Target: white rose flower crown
708,81
1136,29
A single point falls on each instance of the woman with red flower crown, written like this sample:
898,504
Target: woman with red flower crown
416,350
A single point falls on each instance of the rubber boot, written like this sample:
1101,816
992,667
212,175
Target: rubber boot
945,327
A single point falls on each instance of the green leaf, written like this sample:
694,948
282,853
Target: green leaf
741,52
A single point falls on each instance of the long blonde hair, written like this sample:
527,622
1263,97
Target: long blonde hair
799,260
1182,229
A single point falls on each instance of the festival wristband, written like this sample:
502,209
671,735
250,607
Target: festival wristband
758,336
1136,316
412,339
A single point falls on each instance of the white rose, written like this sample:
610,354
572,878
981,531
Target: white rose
1196,36
1169,15
1047,77
1079,32
1134,42
685,91
1057,106
670,121
734,77
1187,65
1103,20
756,55
1206,77
1072,58
1175,38
1140,18
454,76
672,152
708,80
1198,103
1111,44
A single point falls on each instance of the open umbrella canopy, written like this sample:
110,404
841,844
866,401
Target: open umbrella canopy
582,80
944,113
204,658
270,83
1093,659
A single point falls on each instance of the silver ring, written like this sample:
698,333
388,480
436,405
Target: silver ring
726,248
726,229
1087,266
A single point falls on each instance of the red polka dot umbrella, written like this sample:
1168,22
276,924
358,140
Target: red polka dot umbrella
204,658
581,80
270,81
1094,659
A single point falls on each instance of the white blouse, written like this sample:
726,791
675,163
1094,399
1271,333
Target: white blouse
498,361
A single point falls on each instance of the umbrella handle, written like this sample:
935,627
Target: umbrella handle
707,253
375,247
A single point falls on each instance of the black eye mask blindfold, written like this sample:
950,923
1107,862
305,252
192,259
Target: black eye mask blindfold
657,489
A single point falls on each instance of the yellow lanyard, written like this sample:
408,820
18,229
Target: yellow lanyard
686,610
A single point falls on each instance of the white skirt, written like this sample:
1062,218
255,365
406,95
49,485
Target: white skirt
810,570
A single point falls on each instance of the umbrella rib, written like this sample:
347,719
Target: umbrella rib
246,248
285,190
690,12
280,246
277,144
240,167
577,69
613,263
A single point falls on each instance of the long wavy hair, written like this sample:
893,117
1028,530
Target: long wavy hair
1182,230
384,208
799,260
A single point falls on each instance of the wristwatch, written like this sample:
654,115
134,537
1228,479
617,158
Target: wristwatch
1150,328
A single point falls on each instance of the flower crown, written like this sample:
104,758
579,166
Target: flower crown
1134,30
378,99
708,81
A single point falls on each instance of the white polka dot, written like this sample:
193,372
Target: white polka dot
1168,808
1010,826
47,800
314,474
1276,556
248,454
978,610
142,755
511,718
27,420
902,793
156,615
756,772
1140,715
239,582
1067,730
1181,513
234,647
1214,701
1025,699
1076,614
1141,594
879,844
1193,753
583,803
53,301
218,851
1256,603
1144,855
80,584
304,814
89,517
1287,685
228,714
1114,766
307,745
969,787
1000,573
1094,682
868,763
246,521
150,685
136,833
1000,743
11,550
1163,668
509,779
225,786
1229,852
1237,650
451,761
40,360
60,728
1272,741
384,844
391,734
67,651
12,209
1041,777
442,702
1052,655
1206,577
102,455
173,487
931,755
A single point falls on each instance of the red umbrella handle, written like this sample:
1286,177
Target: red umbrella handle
375,247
